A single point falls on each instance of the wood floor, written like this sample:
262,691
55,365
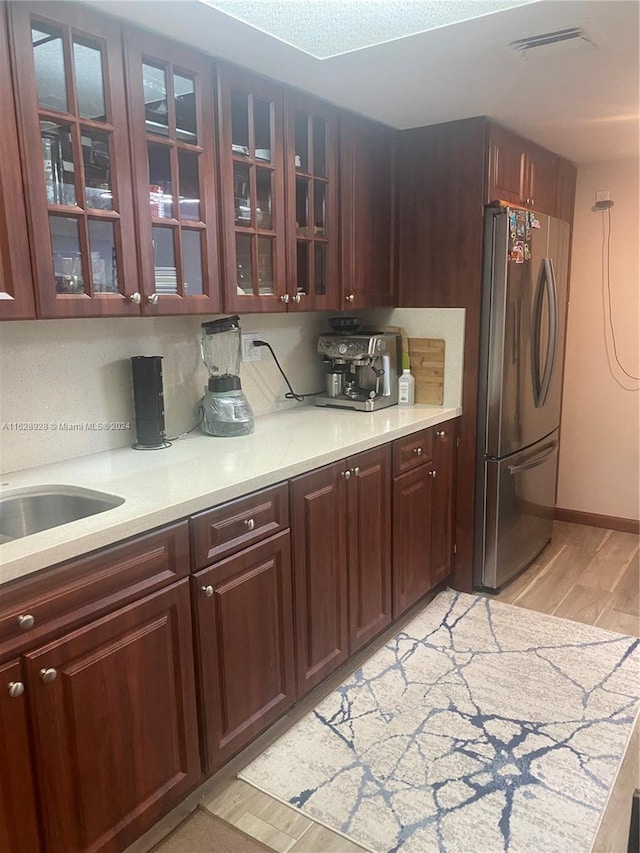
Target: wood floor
587,574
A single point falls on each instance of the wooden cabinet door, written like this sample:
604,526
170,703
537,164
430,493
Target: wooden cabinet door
542,168
16,282
319,529
114,723
442,525
253,197
412,536
367,213
369,544
244,616
565,190
311,163
507,167
72,109
171,116
18,816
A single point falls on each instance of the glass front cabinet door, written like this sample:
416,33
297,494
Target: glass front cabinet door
171,98
251,166
71,105
312,227
16,284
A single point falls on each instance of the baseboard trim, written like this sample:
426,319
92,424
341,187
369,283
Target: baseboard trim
592,519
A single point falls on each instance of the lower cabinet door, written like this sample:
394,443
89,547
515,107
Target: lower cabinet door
442,527
319,523
412,500
114,723
244,613
369,544
18,816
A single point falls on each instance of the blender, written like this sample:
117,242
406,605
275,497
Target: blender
225,408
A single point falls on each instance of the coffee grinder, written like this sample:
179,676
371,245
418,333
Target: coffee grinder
225,408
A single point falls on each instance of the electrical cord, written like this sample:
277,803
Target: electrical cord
195,426
291,394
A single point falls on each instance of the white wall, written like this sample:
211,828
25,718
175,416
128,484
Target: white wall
78,372
600,440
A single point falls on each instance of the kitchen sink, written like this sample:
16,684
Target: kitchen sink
27,511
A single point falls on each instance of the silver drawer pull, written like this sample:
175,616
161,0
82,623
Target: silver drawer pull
418,451
433,474
208,591
441,433
16,688
249,523
48,675
27,621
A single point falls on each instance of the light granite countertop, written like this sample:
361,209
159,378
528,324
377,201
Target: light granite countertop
198,472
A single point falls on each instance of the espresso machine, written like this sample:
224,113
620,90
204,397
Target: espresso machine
361,370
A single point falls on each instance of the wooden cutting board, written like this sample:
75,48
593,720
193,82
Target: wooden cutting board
427,367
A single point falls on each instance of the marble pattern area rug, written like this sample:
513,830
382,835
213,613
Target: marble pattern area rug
479,727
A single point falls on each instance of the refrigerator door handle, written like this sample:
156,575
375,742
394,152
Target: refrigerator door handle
538,459
546,282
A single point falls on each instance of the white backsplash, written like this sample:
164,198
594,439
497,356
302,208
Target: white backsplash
75,374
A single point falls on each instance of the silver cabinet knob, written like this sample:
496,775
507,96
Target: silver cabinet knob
433,474
346,475
154,299
350,297
135,298
441,433
249,523
297,297
533,202
16,688
48,675
355,471
418,451
208,591
27,621
285,298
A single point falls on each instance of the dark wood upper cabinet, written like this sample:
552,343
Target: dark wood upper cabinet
565,190
521,172
18,816
16,282
367,213
253,193
114,727
171,98
311,174
75,151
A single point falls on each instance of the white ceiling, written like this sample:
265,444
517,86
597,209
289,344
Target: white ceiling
582,104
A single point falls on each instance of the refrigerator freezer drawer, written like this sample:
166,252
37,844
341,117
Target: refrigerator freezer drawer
519,498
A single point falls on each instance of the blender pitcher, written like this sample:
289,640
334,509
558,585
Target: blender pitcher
225,408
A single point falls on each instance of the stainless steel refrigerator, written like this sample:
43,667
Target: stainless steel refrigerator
526,256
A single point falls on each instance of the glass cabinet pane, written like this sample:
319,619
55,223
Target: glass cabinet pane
319,209
302,205
104,264
59,169
160,191
164,260
192,262
320,268
302,142
48,57
302,259
240,123
241,193
264,195
184,89
265,266
244,273
319,148
154,81
189,186
97,170
87,63
67,258
262,129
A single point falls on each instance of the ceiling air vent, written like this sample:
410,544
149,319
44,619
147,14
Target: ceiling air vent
557,41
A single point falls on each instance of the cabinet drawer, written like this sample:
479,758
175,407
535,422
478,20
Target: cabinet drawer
75,592
414,450
226,529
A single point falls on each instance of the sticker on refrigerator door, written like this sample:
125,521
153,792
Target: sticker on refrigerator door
517,252
533,222
527,252
512,223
